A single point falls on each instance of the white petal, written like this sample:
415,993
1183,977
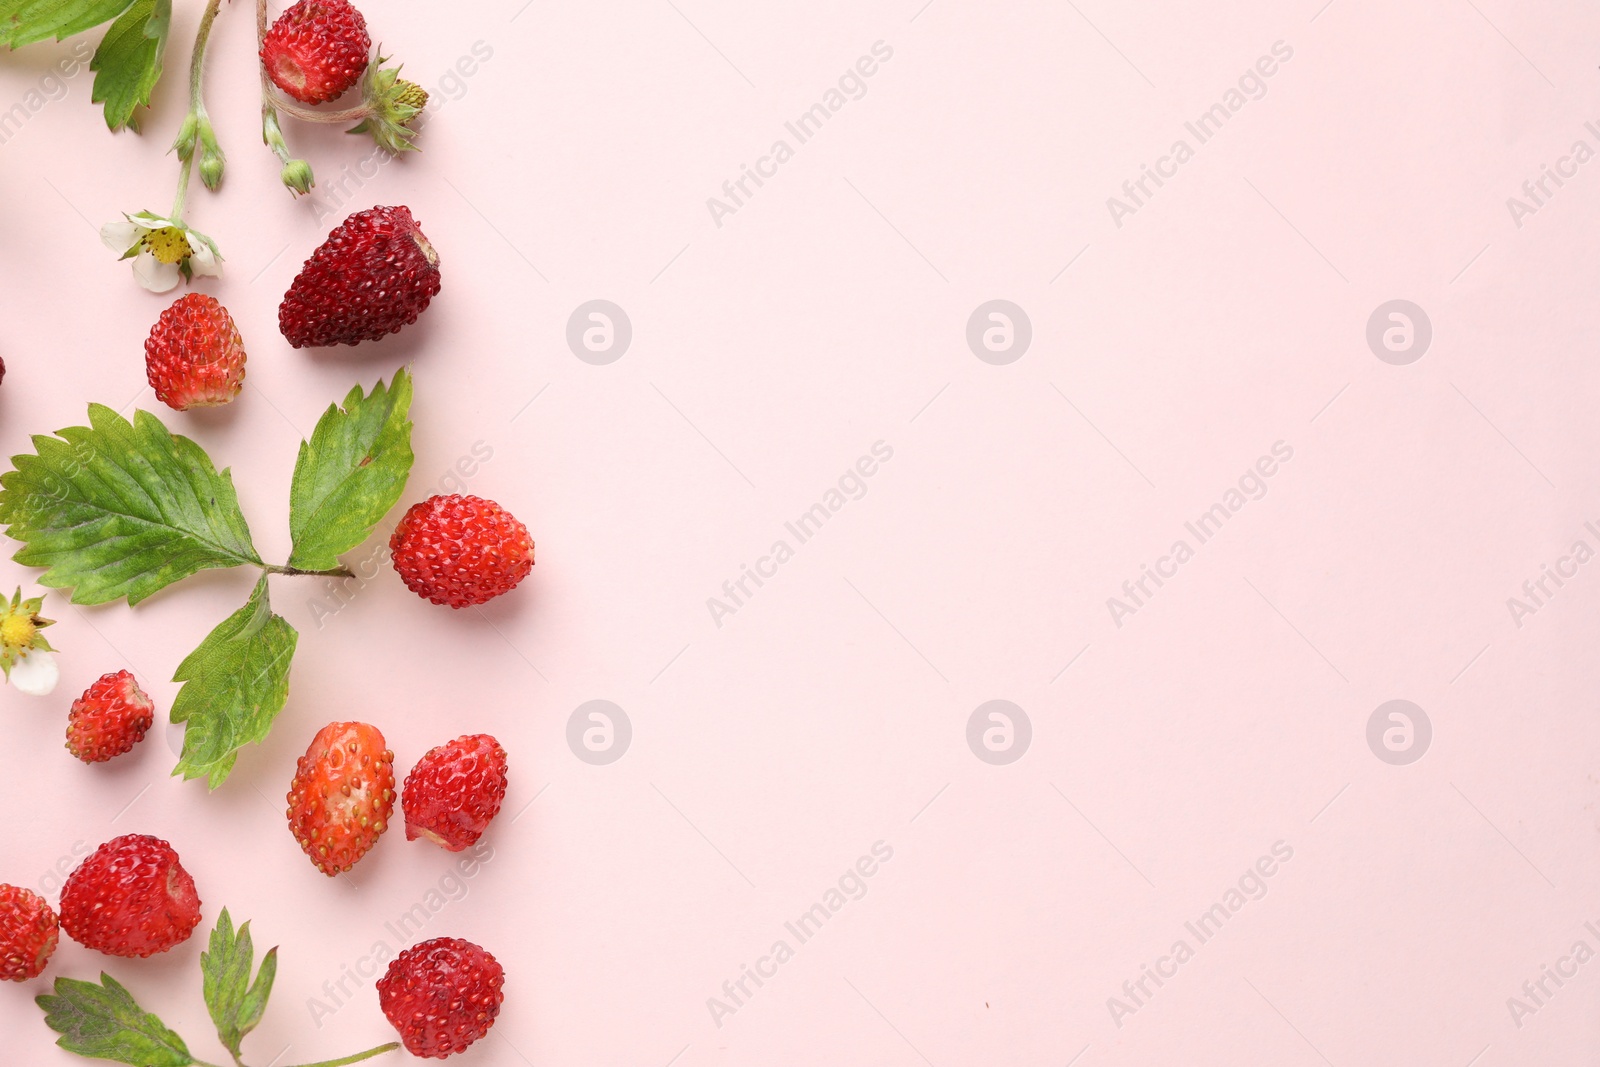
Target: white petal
154,275
203,261
121,236
36,673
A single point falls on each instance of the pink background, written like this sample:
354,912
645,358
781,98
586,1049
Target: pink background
830,712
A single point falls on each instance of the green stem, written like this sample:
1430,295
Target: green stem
186,164
296,174
306,114
198,59
358,1057
270,131
336,572
196,124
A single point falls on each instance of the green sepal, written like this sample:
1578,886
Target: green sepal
27,613
394,105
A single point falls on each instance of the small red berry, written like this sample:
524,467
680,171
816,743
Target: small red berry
28,934
374,274
131,897
442,995
194,356
316,50
455,791
460,550
109,719
342,795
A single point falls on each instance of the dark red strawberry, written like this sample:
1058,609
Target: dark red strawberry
454,791
130,897
109,719
442,995
374,274
28,934
342,795
460,550
316,50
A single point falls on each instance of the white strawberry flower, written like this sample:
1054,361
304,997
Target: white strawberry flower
26,658
35,673
164,251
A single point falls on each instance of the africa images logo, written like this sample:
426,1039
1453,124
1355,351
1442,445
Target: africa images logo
852,85
1252,85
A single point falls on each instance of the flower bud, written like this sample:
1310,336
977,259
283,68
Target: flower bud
184,145
297,176
211,171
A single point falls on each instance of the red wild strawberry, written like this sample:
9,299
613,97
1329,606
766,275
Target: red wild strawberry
316,50
28,934
342,795
194,357
460,550
375,273
441,995
109,719
454,791
131,897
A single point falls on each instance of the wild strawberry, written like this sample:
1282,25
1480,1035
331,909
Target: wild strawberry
342,795
28,934
454,791
375,273
131,897
316,50
109,719
441,995
194,357
460,550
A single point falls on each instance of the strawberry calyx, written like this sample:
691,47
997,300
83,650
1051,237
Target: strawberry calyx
392,105
387,113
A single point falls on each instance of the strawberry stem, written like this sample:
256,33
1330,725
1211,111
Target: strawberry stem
336,572
358,1057
197,124
296,174
306,114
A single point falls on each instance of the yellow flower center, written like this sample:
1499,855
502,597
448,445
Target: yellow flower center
16,631
167,244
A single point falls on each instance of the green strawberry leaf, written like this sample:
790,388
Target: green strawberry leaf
103,1021
235,1004
234,685
118,509
26,21
127,64
350,473
254,1005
